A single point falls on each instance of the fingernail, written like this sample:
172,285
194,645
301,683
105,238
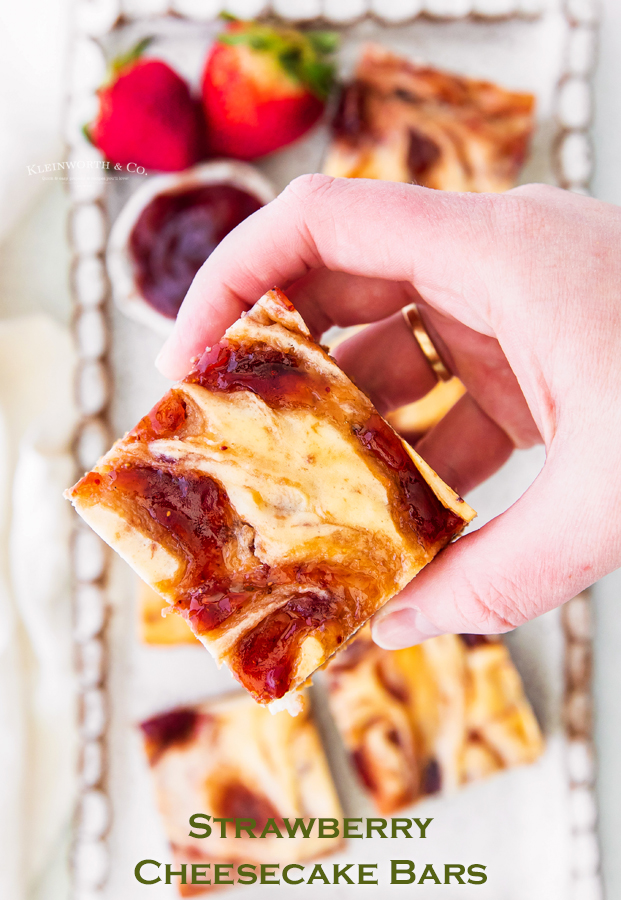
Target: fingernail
403,628
163,362
161,357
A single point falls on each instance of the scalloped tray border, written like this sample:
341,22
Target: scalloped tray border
573,160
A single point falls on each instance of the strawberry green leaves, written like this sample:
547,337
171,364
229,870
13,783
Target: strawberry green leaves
304,56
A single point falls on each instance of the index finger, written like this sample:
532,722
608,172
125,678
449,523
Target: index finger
382,230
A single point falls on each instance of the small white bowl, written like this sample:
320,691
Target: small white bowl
119,260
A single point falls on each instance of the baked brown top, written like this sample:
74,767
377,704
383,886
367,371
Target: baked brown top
400,121
269,503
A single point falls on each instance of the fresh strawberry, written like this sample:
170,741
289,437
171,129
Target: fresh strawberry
147,116
264,87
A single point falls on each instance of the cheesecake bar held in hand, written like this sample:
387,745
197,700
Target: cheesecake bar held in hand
267,501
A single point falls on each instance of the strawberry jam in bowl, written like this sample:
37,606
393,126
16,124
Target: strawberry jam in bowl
169,227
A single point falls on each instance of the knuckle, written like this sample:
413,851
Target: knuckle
530,214
304,199
518,216
537,191
497,608
306,188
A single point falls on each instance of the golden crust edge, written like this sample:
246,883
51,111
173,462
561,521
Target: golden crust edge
445,494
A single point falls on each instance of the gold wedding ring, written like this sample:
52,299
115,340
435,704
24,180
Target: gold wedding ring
414,322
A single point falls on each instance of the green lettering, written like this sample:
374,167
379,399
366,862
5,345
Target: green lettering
454,872
246,873
138,871
245,825
194,823
477,877
318,873
403,825
170,874
285,871
197,874
429,874
220,878
402,871
347,825
365,872
342,873
422,826
333,824
223,823
371,827
271,828
299,824
268,870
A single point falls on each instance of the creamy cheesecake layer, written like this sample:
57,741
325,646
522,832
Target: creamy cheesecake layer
267,501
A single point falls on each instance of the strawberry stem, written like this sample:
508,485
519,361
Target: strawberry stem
86,131
126,59
304,56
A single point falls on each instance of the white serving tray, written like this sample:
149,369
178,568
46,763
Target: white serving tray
534,828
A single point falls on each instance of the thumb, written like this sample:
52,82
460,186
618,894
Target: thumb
527,561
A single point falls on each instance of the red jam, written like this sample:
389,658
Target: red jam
474,640
164,421
268,652
273,375
430,519
423,153
207,611
174,235
161,732
236,801
349,119
364,770
193,509
431,781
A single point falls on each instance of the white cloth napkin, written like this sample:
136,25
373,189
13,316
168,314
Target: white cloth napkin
37,731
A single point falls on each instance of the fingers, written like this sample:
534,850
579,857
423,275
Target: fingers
480,363
518,566
465,447
325,298
386,362
397,232
197,327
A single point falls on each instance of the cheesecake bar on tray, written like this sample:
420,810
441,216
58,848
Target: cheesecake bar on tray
431,718
266,500
229,759
398,120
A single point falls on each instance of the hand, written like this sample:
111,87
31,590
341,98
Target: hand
521,295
